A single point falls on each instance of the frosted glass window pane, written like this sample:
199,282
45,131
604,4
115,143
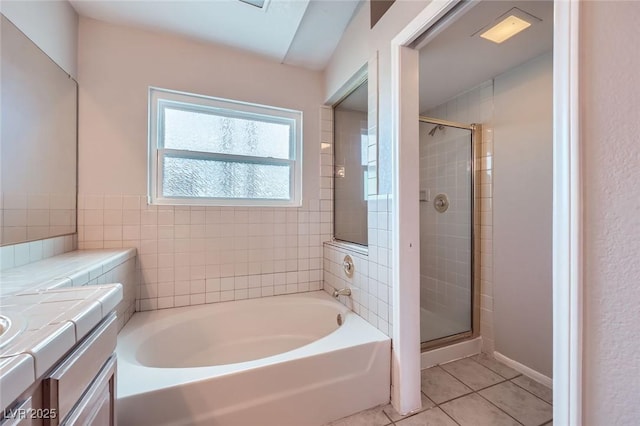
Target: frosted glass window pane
185,177
208,132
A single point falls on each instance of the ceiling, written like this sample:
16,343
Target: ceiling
301,32
455,61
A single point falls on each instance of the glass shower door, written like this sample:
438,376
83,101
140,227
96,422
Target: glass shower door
446,206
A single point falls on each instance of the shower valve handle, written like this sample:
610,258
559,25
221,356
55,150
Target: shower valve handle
347,265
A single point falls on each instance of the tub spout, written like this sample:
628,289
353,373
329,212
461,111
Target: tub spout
342,292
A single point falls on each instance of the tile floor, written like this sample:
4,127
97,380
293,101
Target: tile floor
474,391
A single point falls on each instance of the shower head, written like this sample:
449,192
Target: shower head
437,127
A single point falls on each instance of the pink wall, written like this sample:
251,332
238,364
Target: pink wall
191,255
118,64
52,25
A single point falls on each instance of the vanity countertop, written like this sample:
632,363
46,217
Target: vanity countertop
71,269
52,322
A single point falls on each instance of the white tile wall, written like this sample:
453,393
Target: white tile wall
371,290
190,255
476,106
196,255
24,253
371,283
125,274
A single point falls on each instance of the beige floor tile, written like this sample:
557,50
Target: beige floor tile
496,366
440,386
431,417
395,416
472,374
520,404
538,389
473,410
372,417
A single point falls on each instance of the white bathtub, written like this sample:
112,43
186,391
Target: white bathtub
273,361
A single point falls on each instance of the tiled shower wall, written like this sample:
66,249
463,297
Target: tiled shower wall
196,255
445,238
476,106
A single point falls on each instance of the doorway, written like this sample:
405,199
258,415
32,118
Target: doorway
566,212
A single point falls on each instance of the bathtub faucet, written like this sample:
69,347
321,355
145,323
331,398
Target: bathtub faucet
342,292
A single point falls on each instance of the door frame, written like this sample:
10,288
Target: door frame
567,213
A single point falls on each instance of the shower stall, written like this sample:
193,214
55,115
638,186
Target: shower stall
449,278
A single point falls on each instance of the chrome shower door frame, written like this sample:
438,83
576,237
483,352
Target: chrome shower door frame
476,142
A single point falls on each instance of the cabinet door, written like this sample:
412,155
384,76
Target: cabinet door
20,415
71,379
97,406
102,412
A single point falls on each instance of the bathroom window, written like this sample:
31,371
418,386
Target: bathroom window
211,151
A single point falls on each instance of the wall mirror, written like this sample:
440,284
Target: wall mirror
351,161
38,142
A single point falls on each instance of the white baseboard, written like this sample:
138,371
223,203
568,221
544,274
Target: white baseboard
529,372
450,353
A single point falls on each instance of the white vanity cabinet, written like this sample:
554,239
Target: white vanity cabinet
97,407
60,368
81,388
19,415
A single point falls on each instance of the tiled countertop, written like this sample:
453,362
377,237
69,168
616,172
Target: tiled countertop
74,268
54,321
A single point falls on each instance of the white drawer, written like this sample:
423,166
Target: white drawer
97,406
19,415
64,387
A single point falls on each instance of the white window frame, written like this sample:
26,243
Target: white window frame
232,108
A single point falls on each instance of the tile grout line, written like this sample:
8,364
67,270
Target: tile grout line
517,421
494,384
484,388
458,380
485,366
448,415
511,380
387,416
526,390
472,390
439,405
471,393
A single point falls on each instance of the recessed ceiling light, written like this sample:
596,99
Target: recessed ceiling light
256,3
505,29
